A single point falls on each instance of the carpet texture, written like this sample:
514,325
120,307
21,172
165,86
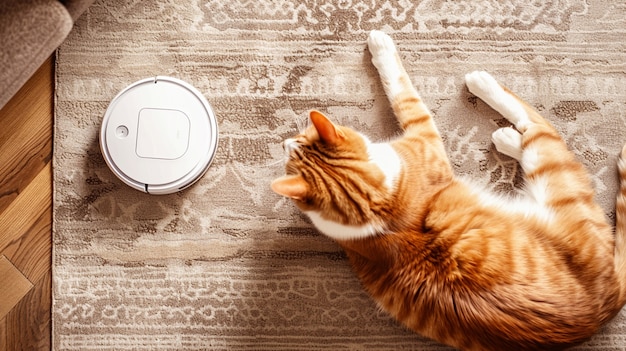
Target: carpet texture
227,264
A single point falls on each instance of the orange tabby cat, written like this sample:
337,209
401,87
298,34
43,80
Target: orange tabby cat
449,259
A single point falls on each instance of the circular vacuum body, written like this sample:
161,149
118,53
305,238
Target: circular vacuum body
159,135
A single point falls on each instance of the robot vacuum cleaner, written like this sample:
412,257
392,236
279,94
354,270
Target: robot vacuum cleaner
159,135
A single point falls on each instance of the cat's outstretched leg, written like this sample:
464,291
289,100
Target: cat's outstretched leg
387,61
421,136
529,147
410,110
553,175
507,140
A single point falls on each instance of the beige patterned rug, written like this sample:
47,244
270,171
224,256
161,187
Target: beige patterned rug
228,265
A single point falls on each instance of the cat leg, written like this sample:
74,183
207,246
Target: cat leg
386,60
553,176
406,102
483,85
523,117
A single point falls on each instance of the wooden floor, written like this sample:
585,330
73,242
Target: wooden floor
26,125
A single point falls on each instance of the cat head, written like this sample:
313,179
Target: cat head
331,172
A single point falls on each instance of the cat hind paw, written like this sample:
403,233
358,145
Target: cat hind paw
508,141
483,85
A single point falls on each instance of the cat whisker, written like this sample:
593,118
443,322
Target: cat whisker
275,163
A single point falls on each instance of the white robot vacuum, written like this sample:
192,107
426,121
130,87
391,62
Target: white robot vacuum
159,135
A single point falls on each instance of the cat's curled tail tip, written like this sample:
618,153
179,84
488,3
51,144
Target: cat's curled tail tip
621,162
620,225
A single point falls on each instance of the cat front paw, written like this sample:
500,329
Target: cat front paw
508,141
380,44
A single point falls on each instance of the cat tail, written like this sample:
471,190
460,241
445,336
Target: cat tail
620,226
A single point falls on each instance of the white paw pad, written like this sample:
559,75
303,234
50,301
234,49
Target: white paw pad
508,141
380,43
385,58
483,85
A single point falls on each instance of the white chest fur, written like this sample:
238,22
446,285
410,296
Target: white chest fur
339,231
386,158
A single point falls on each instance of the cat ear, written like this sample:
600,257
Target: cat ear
327,131
291,186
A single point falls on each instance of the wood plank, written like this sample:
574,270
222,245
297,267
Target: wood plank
29,323
32,99
30,205
13,286
32,252
3,334
21,160
25,140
